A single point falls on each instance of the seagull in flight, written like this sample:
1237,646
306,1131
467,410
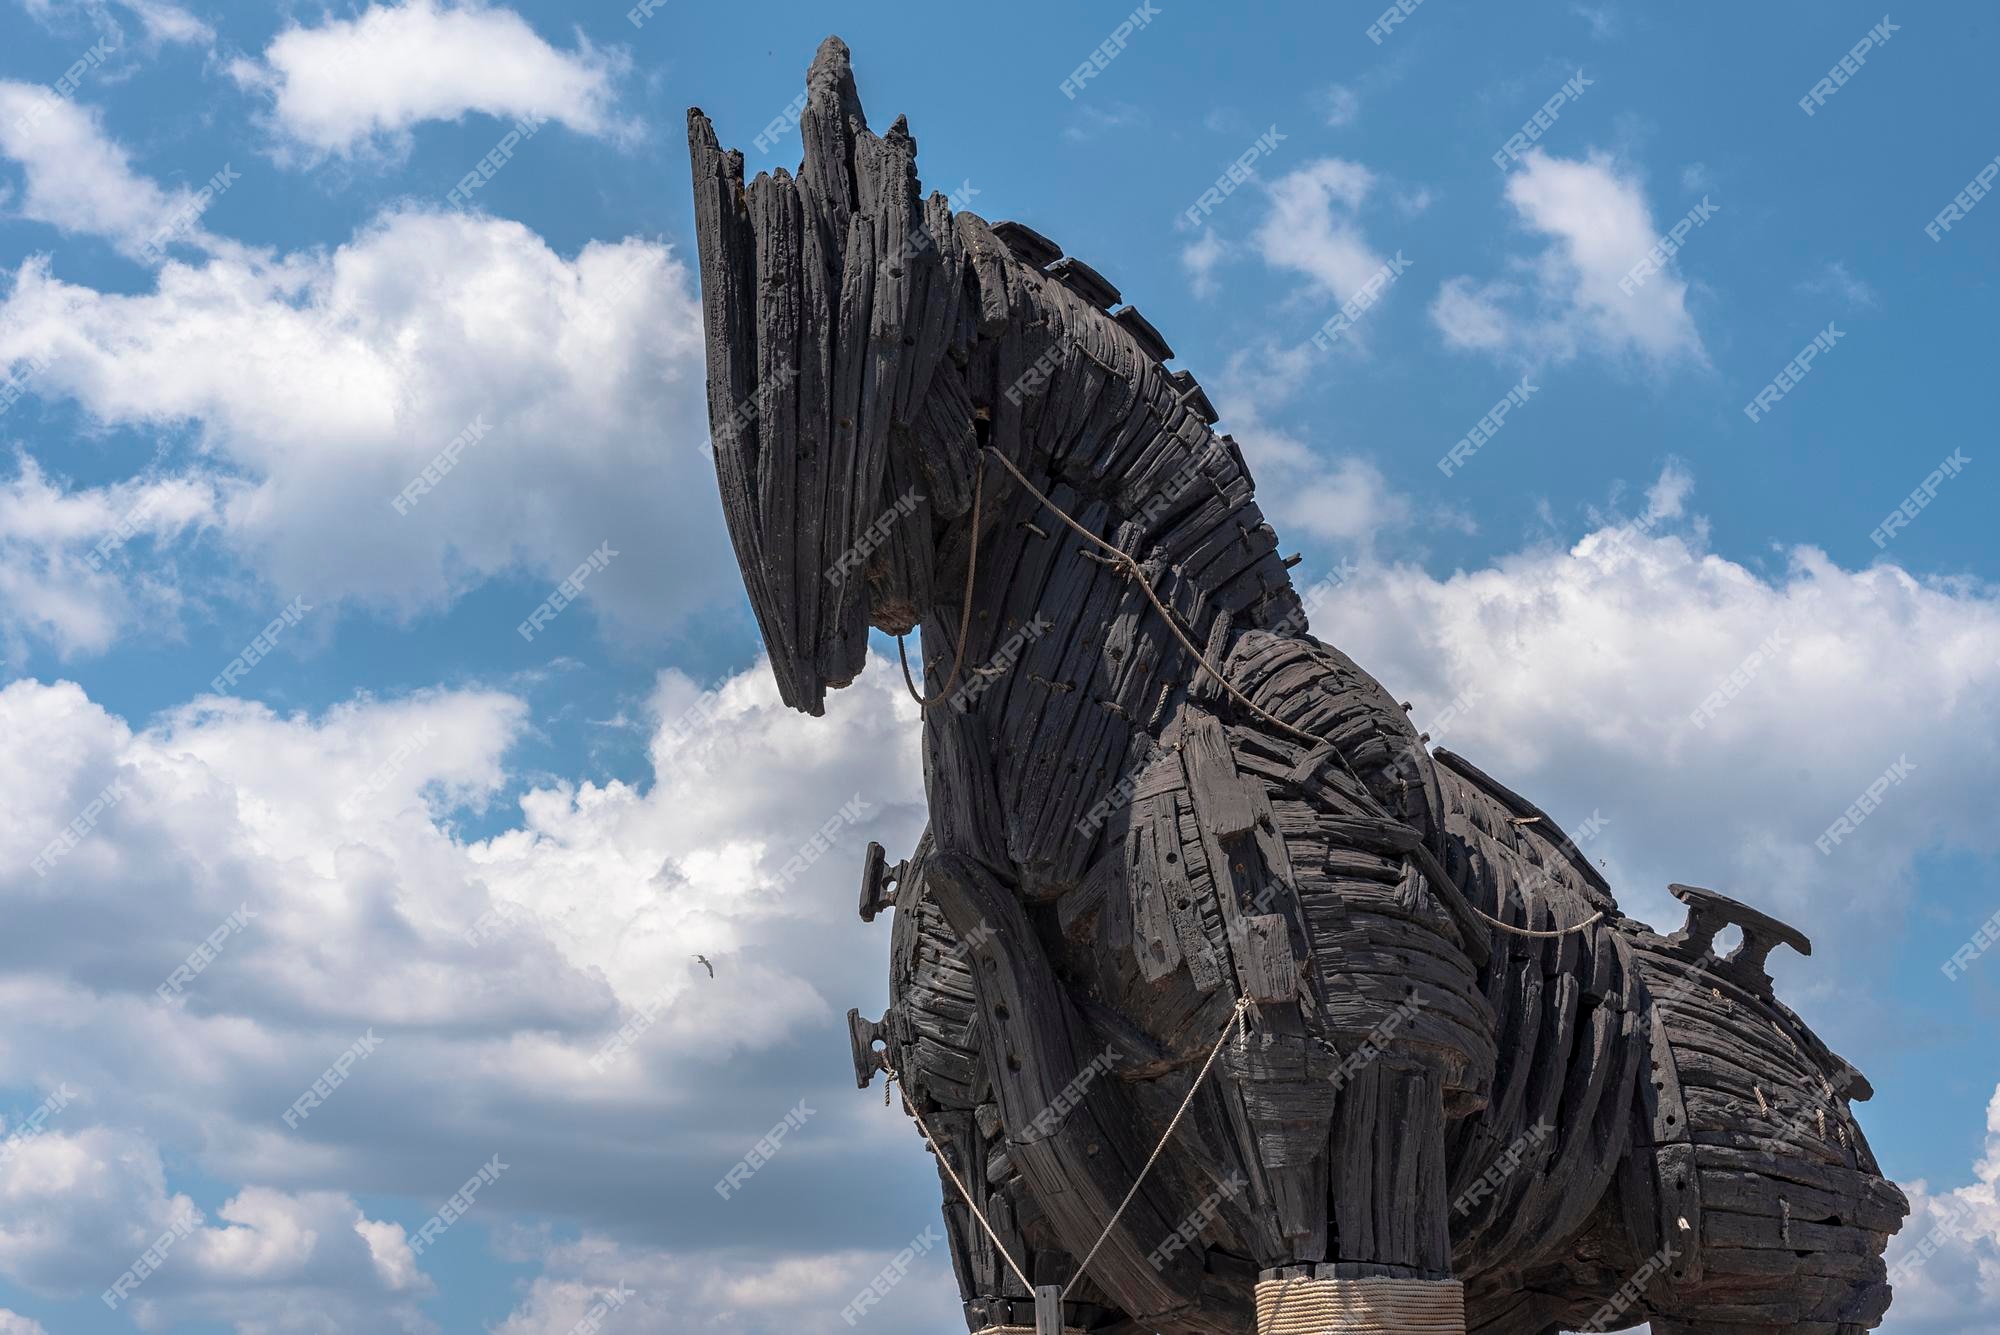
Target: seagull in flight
706,965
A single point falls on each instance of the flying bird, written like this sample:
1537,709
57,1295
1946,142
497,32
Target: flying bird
706,965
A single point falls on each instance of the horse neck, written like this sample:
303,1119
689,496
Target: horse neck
1068,673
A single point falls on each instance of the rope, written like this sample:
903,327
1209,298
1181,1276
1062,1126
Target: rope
1124,562
965,612
1277,1300
999,1246
1543,933
1235,1018
909,1105
1360,1307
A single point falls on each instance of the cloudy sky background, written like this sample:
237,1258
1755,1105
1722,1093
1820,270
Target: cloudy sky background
486,853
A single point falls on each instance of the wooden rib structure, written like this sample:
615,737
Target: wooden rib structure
1588,1130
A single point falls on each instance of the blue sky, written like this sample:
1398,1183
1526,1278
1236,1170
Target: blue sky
218,398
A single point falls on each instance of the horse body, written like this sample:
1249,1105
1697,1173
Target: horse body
1139,823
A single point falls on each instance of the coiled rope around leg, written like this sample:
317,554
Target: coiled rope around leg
1300,1306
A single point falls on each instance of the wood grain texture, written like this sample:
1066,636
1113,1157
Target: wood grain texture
1609,1125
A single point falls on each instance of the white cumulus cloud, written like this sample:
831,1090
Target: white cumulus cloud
1314,226
1721,717
323,386
751,1293
1566,299
68,577
81,180
1306,489
367,80
489,975
81,1208
1945,1264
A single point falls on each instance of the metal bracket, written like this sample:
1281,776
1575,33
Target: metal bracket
876,878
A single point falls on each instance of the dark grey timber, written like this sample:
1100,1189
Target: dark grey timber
1119,850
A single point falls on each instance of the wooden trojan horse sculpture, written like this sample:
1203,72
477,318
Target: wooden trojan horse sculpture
1224,1004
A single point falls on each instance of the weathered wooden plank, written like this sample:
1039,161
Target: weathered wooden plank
1269,971
1218,793
1155,942
1028,245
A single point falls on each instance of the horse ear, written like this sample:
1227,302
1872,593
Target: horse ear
831,125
